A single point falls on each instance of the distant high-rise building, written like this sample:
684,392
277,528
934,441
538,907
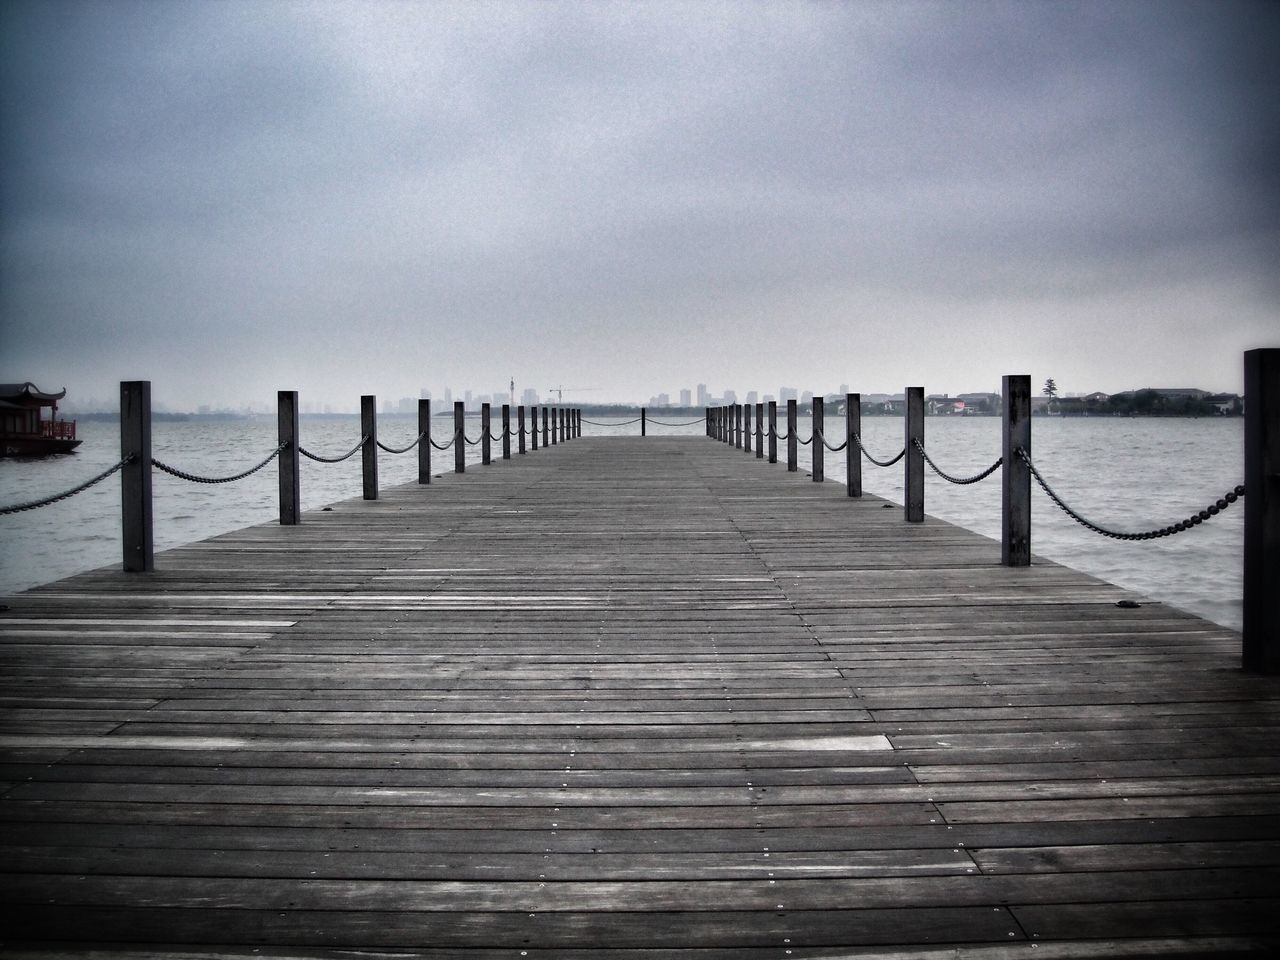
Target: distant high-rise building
407,405
844,389
686,398
704,398
448,398
806,397
752,397
467,400
787,393
529,398
730,397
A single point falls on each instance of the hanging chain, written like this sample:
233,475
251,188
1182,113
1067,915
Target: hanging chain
962,481
36,504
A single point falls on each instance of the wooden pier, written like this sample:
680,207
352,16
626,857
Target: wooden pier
642,698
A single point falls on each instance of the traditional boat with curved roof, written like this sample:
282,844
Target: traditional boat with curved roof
24,432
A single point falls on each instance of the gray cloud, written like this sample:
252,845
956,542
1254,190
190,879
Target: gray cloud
229,198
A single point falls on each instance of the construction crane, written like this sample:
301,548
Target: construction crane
559,391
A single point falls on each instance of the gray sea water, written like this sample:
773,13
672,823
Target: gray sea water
1126,474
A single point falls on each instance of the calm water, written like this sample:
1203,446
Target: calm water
1127,474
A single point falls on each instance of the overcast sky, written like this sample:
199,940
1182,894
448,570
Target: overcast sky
231,198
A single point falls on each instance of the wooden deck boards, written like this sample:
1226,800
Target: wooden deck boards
627,698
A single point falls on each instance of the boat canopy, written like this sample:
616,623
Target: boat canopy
28,395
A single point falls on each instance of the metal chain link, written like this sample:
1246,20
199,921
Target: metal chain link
467,440
36,504
444,446
596,423
823,437
346,456
195,478
879,463
805,443
1182,525
665,424
383,446
961,481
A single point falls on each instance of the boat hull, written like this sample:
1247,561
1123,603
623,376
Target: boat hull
35,446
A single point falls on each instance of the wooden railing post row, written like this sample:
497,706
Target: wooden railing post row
773,431
506,431
1015,476
459,438
746,427
759,431
369,455
287,434
520,427
424,444
485,433
793,441
852,455
819,448
1260,649
913,480
135,476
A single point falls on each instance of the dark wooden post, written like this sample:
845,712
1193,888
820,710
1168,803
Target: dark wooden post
644,422
737,425
793,442
773,431
424,444
506,431
852,455
555,439
533,434
913,482
287,434
1015,478
546,434
746,427
485,433
369,455
819,448
563,436
1261,633
135,476
459,438
759,431
520,427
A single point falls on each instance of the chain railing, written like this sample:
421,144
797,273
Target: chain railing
960,481
196,478
823,437
879,463
346,456
1181,526
67,494
399,450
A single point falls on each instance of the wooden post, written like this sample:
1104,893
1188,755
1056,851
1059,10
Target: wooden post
746,427
819,448
759,431
135,476
459,438
485,428
1261,633
644,421
1015,478
506,431
793,442
369,455
520,427
852,455
773,431
424,445
287,434
913,481
546,435
554,438
563,436
533,434
737,425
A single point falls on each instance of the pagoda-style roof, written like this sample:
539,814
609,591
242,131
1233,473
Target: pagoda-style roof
28,395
